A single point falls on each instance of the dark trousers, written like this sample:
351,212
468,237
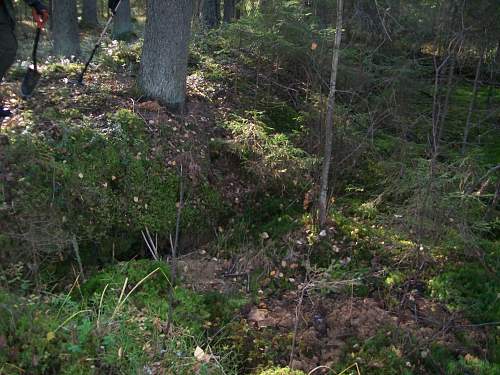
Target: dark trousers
8,42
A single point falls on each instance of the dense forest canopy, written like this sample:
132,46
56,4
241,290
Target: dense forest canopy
269,187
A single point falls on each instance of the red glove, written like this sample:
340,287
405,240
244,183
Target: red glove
40,17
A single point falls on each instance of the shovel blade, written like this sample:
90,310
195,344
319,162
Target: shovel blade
29,83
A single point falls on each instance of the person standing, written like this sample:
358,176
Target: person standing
8,42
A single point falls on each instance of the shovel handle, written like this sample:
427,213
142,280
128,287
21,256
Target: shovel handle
97,45
35,47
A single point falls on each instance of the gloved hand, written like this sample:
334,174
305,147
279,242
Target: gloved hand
112,4
40,14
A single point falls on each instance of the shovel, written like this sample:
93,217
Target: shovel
32,75
113,7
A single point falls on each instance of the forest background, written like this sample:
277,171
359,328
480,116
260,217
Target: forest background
165,217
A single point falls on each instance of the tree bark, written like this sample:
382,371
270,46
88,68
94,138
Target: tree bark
327,157
210,14
122,24
65,28
229,10
51,22
165,53
89,13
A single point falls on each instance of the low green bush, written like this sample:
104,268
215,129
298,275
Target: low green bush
272,158
471,289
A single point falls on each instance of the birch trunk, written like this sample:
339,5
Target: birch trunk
327,157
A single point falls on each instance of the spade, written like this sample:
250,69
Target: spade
32,75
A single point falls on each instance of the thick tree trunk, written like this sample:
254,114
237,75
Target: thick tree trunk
327,157
229,10
65,28
51,22
165,52
89,13
122,26
210,14
396,8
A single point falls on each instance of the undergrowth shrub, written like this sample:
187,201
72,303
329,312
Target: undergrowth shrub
272,158
471,289
122,55
280,37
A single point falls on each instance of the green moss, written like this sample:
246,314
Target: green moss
192,311
257,349
97,184
382,355
66,334
454,365
469,288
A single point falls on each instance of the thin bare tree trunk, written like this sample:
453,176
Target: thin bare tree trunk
446,104
472,104
327,157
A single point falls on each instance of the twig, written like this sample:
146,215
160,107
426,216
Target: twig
355,364
382,21
174,244
152,245
479,324
122,300
76,248
296,324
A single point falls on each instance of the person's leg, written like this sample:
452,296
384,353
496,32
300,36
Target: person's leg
8,42
8,49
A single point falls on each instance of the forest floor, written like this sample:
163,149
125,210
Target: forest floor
264,287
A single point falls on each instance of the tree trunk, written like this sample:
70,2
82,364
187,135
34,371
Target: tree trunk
229,10
472,104
446,103
493,75
89,13
122,24
165,52
327,157
51,22
210,13
65,32
396,9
